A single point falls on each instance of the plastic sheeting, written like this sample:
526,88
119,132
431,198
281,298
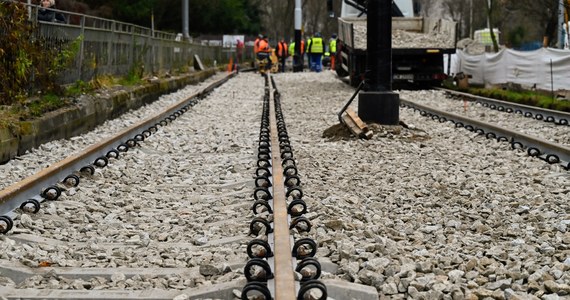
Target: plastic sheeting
547,68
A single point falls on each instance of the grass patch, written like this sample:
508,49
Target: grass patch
78,88
45,104
35,107
531,98
8,116
134,77
130,80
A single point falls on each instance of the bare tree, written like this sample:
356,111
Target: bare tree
537,19
490,8
469,14
457,10
278,19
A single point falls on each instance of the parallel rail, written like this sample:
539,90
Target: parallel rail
550,152
547,115
46,184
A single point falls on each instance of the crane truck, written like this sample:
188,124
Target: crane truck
418,44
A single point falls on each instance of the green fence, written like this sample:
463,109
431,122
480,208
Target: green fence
115,48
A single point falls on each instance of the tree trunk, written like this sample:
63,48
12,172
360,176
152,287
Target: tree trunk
491,31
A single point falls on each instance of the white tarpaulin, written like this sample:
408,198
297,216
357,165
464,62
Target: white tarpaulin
547,68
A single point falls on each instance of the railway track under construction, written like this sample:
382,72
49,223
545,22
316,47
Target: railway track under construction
250,189
279,266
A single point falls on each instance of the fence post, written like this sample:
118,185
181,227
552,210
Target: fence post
551,80
110,45
150,42
82,48
133,48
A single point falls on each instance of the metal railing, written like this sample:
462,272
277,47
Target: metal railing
115,48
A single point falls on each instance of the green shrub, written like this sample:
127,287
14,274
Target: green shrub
26,59
18,55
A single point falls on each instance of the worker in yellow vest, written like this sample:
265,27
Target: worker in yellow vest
297,60
315,50
332,50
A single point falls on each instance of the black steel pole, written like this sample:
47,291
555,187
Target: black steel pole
297,56
379,44
377,103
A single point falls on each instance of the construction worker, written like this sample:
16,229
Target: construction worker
297,60
256,50
256,43
315,50
282,53
239,52
263,55
332,51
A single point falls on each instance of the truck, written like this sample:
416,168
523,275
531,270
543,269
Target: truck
418,44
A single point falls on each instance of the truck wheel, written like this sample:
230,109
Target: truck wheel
354,80
340,71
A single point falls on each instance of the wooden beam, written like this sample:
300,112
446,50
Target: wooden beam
356,125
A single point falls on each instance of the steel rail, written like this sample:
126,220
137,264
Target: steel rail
547,115
33,186
284,282
535,146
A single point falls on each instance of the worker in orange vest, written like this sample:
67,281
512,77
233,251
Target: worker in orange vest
282,53
264,54
256,43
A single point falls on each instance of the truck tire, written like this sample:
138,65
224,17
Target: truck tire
339,70
354,80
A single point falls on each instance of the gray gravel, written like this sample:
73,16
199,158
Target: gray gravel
405,39
37,159
432,212
438,99
425,213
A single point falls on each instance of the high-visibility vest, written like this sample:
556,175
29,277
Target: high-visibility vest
292,47
263,46
316,45
256,45
282,50
332,46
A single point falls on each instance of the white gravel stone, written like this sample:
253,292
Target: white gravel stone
403,38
